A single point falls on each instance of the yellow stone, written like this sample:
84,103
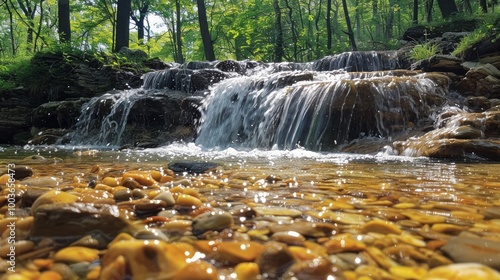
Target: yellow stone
156,175
448,228
382,259
206,246
76,254
111,181
122,236
373,272
405,205
422,217
43,264
340,217
104,187
236,252
52,197
166,179
463,271
247,271
316,248
142,177
95,272
188,200
4,179
147,259
200,270
380,226
180,225
343,244
468,216
114,271
302,253
407,272
191,192
409,239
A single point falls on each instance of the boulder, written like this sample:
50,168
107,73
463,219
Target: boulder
66,222
58,114
440,63
481,80
12,122
474,250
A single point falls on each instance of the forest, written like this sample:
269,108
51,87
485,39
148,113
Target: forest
182,30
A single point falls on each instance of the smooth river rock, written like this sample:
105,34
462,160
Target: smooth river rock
468,250
71,221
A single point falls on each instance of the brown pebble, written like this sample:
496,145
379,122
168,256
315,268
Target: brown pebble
131,183
150,205
275,260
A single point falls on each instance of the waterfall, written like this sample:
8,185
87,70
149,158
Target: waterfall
316,110
318,106
102,119
359,61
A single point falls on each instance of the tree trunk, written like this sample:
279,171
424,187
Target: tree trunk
428,8
278,48
415,12
329,24
349,28
122,24
178,24
468,6
484,6
294,31
63,21
447,7
205,32
11,29
376,19
358,20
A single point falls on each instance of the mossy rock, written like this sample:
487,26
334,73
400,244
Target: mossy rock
423,32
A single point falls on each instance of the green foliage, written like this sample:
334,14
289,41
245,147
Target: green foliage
423,51
489,27
14,71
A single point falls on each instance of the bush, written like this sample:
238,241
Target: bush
13,72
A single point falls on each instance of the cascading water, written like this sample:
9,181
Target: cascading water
103,119
359,61
271,105
317,111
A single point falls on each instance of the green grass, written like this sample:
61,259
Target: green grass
424,51
490,27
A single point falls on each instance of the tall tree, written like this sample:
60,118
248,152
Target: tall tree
64,26
142,8
484,6
122,24
205,32
11,27
350,33
178,36
447,7
428,8
278,47
415,12
329,30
